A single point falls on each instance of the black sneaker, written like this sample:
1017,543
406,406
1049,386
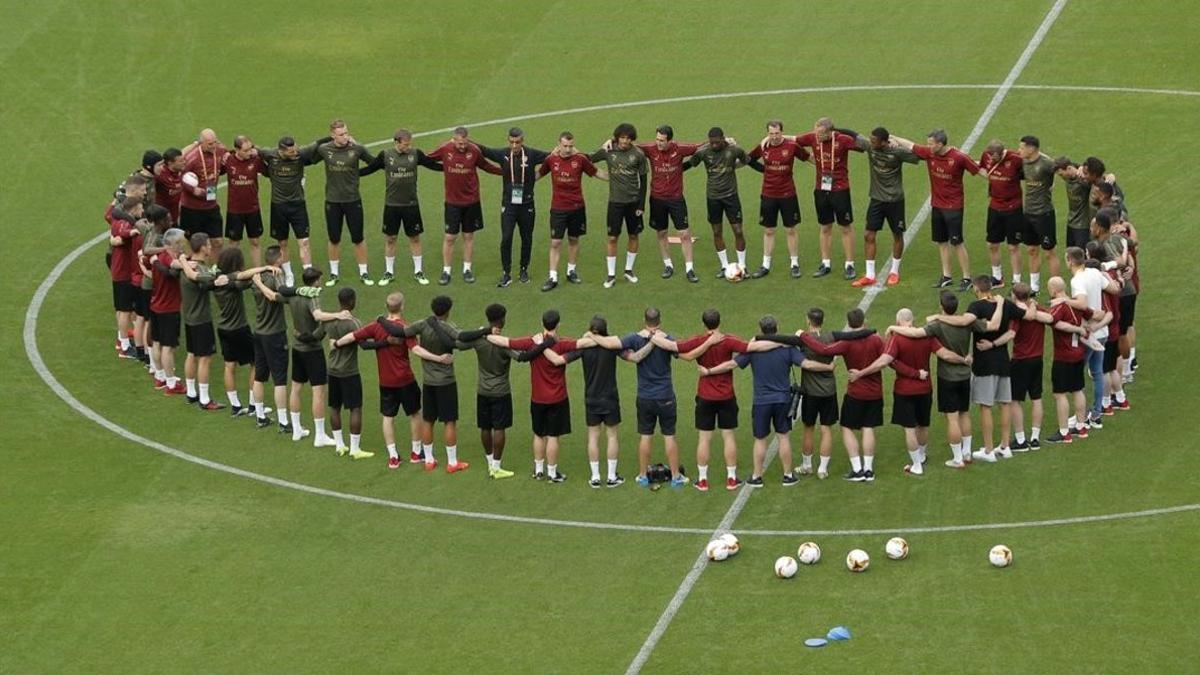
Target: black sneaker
505,281
285,429
386,279
668,271
420,278
1056,437
795,271
610,281
573,277
997,283
1133,364
1020,447
855,476
822,270
848,273
538,475
469,276
631,277
943,282
550,285
193,400
789,480
755,482
1035,444
760,272
615,482
444,280
262,422
238,411
692,277
558,477
721,273
523,277
964,285
869,476
1095,421
594,483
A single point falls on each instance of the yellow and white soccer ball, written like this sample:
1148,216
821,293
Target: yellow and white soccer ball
1000,556
190,179
785,567
857,560
896,548
716,550
731,542
734,273
809,553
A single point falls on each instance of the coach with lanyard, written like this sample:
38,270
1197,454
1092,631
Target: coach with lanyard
518,166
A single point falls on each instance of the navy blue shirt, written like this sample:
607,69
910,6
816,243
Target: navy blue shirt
654,371
772,373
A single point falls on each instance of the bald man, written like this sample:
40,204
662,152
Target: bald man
199,210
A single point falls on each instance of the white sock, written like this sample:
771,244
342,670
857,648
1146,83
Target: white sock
868,462
234,401
688,266
391,450
466,266
554,275
856,464
703,470
1106,401
1016,277
1020,436
870,269
1035,280
1120,396
307,266
915,456
355,442
416,448
667,262
997,272
630,257
160,374
956,450
823,467
847,264
260,409
1071,422
172,381
1034,433
362,269
295,420
417,263
723,257
731,471
204,399
610,263
334,265
895,266
288,275
827,262
389,264
282,414
1132,353
191,387
794,260
595,467
552,470
612,469
570,267
445,269
966,446
320,426
427,449
806,461
741,255
154,362
451,455
124,342
766,263
339,438
539,466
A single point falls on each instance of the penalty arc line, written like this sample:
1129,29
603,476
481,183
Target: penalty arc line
689,581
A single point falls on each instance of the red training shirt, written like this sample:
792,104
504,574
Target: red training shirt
1068,347
857,354
395,370
1030,341
910,355
549,382
945,175
462,180
832,157
242,177
714,387
167,187
123,261
566,177
778,164
666,169
207,167
1004,180
165,298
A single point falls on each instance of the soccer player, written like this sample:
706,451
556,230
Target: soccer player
438,337
343,201
627,169
953,377
168,185
401,207
1066,373
270,342
397,386
141,180
151,245
912,392
819,404
199,210
1040,226
666,159
1095,173
716,401
720,159
1005,219
243,215
831,195
887,201
345,384
1100,254
165,303
1119,240
775,160
1079,212
289,211
460,160
946,166
568,213
493,396
1129,301
198,280
1088,286
122,229
1026,371
233,328
518,164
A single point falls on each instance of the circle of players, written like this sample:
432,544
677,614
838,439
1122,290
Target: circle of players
168,256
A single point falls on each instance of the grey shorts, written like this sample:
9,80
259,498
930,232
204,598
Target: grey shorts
990,389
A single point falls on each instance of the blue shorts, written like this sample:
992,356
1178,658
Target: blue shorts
764,416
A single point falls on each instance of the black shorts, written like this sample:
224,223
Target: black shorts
823,408
624,216
892,212
1025,378
607,413
911,411
439,402
345,391
271,358
551,419
309,366
674,210
1078,237
833,205
1127,304
164,329
947,226
859,414
465,219
1005,226
1111,352
289,217
237,345
767,415
662,413
1040,230
406,217
392,398
729,207
716,414
493,412
201,339
207,221
351,213
772,209
569,223
953,396
237,223
1066,378
124,295
141,302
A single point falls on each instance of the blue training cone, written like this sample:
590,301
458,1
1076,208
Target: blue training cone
839,633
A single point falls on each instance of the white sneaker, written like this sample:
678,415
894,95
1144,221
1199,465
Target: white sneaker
631,277
983,456
805,470
914,469
955,464
1005,453
324,441
300,433
822,475
610,281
